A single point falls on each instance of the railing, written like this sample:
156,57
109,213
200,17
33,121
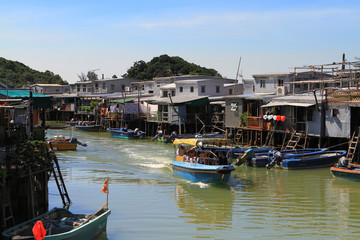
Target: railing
343,95
255,122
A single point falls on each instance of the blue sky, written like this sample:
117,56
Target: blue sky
70,37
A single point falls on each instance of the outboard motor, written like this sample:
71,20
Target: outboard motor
246,157
343,162
74,140
275,157
159,134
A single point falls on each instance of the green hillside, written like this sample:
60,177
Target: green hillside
18,75
165,66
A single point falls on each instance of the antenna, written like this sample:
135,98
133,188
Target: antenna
237,75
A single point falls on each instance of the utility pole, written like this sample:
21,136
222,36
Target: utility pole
237,75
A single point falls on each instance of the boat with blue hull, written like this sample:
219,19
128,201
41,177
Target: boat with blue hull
61,224
316,159
88,126
202,160
263,159
125,133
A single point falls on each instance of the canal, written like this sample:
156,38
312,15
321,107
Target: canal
149,202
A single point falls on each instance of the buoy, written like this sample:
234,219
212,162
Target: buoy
102,111
278,117
39,230
282,118
265,117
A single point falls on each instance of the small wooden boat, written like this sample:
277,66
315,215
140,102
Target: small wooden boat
306,160
88,126
202,160
126,133
61,143
61,224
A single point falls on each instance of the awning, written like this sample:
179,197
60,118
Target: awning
294,104
195,141
122,100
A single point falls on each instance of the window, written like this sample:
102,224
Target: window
158,85
112,87
122,87
173,93
192,89
181,89
280,82
262,83
165,93
217,89
202,89
78,88
230,91
309,113
84,89
104,86
334,112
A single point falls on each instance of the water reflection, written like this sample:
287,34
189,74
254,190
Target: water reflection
209,206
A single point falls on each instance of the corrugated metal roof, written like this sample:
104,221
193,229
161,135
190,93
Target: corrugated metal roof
20,94
295,104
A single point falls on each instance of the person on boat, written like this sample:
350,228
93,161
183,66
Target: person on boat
181,151
222,159
201,158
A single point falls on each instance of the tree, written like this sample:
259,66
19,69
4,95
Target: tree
82,77
92,76
165,66
114,76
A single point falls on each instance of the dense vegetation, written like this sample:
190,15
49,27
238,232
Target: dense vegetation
165,66
17,75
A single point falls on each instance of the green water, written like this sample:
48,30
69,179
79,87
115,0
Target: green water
149,202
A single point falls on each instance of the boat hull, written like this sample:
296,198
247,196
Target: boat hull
95,128
348,173
118,133
63,146
195,172
89,230
326,159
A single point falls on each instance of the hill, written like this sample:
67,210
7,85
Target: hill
166,66
18,75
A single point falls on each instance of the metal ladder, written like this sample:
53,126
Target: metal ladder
60,182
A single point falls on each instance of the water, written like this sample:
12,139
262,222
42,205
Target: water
149,202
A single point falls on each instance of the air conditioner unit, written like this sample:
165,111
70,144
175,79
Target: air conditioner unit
127,89
281,90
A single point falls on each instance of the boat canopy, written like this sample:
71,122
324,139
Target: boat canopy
195,141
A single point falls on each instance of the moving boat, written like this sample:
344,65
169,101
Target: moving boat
61,224
315,159
61,143
126,133
88,126
202,160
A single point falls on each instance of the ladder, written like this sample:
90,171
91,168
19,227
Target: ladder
352,147
239,135
293,141
7,218
60,182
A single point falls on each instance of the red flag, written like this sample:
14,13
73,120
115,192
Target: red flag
39,230
105,188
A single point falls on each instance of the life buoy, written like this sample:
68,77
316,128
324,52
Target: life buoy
102,111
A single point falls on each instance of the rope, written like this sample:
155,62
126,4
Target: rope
338,145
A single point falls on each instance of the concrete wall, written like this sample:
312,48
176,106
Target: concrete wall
232,118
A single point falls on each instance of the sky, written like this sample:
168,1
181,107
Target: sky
73,37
